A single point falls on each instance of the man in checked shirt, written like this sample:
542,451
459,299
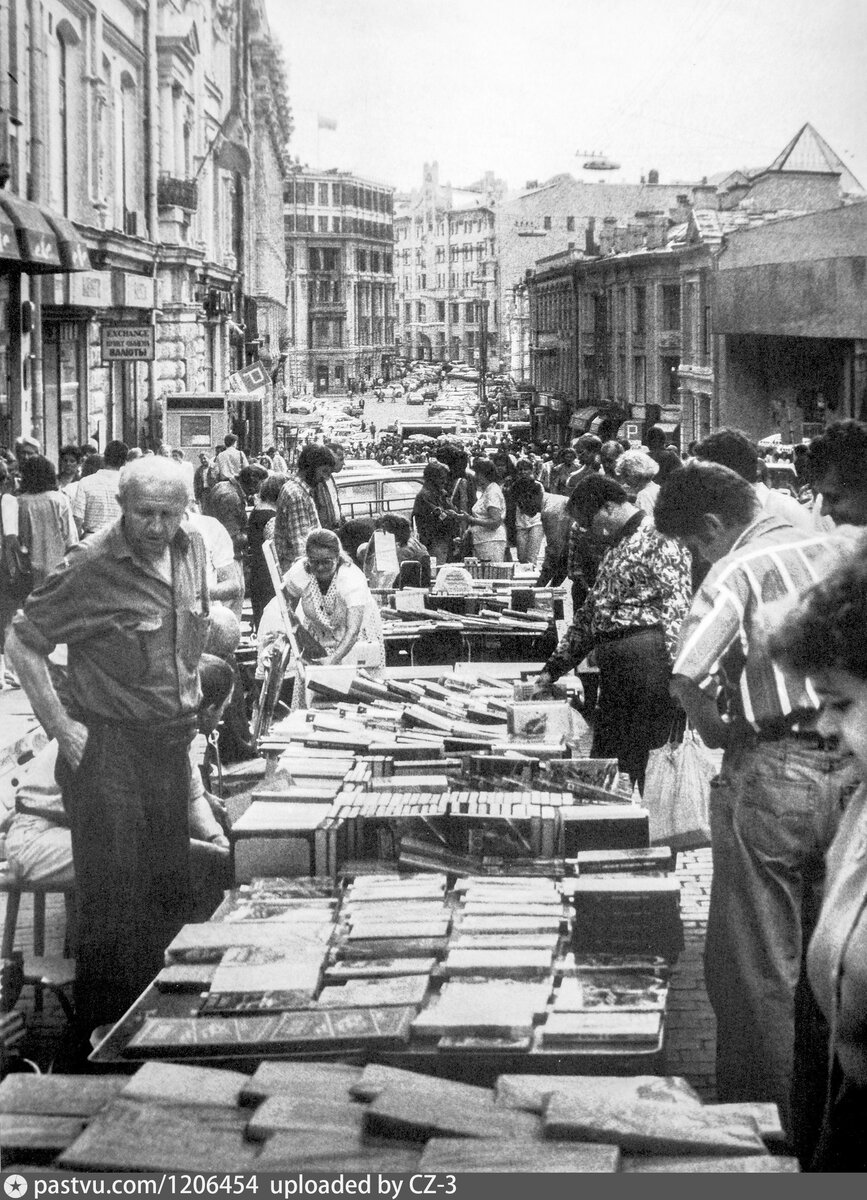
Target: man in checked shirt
777,800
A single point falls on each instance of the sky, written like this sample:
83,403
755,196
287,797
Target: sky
688,87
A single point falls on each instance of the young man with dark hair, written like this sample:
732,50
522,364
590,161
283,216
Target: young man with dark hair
733,449
838,468
777,799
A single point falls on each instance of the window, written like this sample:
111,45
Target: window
639,310
639,379
705,333
360,260
471,315
570,224
375,262
335,224
323,224
422,282
323,194
671,306
336,197
456,313
546,223
441,310
407,312
420,310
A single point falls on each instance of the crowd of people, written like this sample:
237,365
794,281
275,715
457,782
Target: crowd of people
697,590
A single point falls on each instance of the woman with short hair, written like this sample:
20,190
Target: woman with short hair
636,471
487,519
336,605
437,521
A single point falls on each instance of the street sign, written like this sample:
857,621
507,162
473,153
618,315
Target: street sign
125,342
251,379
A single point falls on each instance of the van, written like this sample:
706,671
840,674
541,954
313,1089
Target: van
375,490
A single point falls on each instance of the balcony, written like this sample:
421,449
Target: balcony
177,193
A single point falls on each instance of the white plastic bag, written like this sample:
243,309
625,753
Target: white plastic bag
677,793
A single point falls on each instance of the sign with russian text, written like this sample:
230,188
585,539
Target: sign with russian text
128,342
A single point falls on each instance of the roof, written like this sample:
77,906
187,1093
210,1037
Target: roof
808,151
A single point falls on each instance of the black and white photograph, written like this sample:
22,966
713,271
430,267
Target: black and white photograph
433,592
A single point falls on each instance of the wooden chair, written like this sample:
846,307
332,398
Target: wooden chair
56,973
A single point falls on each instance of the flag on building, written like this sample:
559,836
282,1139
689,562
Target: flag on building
325,122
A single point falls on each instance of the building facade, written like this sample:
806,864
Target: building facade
446,271
339,237
135,122
635,330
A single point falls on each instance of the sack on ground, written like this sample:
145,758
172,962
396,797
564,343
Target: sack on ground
677,793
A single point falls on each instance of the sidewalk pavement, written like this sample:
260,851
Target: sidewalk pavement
690,1037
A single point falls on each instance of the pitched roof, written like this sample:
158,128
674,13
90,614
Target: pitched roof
808,151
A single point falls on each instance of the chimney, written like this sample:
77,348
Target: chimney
653,176
606,235
590,246
657,226
635,235
705,195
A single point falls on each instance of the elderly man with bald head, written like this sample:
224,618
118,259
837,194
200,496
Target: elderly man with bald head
131,603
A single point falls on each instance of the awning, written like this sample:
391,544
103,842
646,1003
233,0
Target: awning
582,417
47,241
73,248
9,251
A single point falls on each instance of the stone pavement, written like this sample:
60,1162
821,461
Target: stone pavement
690,1026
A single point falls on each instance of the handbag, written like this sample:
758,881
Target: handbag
677,792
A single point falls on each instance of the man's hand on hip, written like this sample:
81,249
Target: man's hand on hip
72,739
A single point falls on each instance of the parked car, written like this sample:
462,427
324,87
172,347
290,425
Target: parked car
415,398
368,493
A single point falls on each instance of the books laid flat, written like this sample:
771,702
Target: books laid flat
322,1151
492,963
476,1155
501,923
504,941
58,1095
532,1092
585,1028
170,1083
133,1136
208,942
378,968
490,1044
481,1008
765,1115
362,930
305,1113
719,1165
170,1037
185,977
376,1077
34,1135
623,990
313,1080
272,969
644,1127
379,948
373,993
416,1115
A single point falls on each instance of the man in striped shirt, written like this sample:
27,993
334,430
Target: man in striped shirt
777,800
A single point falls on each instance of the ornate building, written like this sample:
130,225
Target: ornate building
147,126
446,270
339,258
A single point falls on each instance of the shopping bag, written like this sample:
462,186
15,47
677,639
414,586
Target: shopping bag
677,792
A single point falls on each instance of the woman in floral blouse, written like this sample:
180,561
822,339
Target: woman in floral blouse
630,618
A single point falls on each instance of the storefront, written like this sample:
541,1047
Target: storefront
39,375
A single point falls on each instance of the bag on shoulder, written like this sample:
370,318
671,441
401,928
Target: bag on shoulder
16,568
677,792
